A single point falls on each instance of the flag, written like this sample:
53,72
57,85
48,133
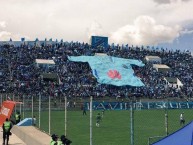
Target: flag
6,110
112,70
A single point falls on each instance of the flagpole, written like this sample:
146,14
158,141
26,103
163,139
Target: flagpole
20,107
60,102
49,114
1,99
90,120
32,109
39,109
15,104
132,123
14,100
23,106
166,119
65,120
18,98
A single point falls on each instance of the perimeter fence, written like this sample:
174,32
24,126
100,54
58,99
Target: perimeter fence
144,121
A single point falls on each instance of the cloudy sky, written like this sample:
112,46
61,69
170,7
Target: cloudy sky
166,23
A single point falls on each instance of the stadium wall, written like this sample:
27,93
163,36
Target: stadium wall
31,135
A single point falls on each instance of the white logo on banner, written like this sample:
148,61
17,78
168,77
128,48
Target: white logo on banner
5,111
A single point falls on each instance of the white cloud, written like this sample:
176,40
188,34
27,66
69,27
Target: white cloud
176,12
95,29
186,31
71,19
5,36
162,1
2,24
68,19
169,1
145,31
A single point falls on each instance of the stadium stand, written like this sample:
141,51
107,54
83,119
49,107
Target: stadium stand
19,74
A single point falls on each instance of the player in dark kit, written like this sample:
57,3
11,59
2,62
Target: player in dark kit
98,119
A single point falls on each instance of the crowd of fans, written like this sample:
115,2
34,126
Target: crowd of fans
19,74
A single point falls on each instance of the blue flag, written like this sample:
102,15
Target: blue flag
112,70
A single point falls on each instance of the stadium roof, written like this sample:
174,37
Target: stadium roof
160,66
152,57
100,54
171,80
44,61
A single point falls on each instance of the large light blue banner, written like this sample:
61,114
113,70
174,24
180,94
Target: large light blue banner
112,70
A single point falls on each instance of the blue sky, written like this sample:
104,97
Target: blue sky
183,42
166,23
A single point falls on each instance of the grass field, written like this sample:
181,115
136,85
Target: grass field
115,126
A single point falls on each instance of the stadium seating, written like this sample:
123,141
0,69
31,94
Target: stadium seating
19,75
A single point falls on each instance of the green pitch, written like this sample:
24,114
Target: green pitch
115,126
